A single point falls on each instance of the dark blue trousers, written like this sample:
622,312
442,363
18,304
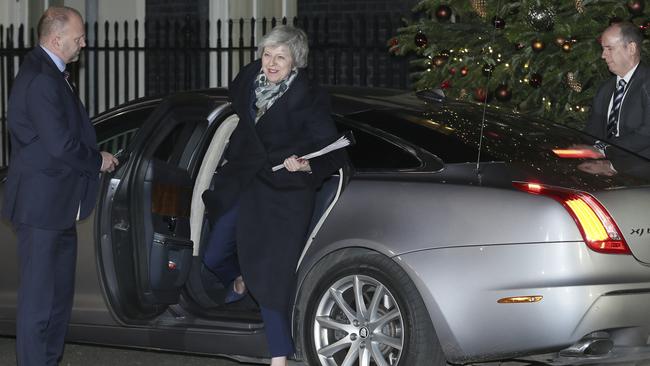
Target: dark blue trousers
221,258
47,261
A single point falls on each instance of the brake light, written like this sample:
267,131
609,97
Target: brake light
577,153
596,225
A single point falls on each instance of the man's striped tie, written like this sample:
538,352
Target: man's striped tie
612,121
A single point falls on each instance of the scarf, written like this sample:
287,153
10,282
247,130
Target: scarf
266,93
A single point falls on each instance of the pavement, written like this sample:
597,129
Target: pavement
87,355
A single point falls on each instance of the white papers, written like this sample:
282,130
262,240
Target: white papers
343,141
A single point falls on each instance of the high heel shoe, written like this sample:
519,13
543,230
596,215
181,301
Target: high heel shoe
234,296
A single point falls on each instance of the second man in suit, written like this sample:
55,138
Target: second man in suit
620,112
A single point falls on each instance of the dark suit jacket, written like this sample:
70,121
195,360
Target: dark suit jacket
275,208
634,124
54,166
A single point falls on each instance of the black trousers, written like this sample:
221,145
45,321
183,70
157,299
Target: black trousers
221,258
47,261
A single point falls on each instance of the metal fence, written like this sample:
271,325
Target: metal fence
124,61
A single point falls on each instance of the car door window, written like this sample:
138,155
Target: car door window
114,133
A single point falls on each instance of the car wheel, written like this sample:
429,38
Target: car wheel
361,308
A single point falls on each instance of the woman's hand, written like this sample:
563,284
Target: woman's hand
295,164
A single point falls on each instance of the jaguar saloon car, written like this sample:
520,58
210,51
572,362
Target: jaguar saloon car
452,235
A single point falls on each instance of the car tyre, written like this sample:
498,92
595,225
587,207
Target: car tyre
392,326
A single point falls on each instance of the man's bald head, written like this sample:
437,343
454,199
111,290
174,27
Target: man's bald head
54,20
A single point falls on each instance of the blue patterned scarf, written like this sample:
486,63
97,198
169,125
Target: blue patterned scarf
266,93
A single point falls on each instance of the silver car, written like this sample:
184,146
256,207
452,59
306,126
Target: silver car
453,235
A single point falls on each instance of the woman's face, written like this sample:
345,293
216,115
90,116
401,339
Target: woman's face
276,63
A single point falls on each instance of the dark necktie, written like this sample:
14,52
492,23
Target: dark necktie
66,76
612,121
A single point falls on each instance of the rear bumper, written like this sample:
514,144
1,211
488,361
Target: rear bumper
583,292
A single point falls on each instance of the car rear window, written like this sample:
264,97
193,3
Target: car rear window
426,131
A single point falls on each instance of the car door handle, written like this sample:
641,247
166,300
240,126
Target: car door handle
121,226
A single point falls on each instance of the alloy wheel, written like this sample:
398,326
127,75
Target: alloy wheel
358,322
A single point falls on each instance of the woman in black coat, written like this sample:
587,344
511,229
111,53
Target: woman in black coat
262,216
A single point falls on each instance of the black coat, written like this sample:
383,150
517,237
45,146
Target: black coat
275,207
54,167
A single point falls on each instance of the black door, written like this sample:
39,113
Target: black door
144,248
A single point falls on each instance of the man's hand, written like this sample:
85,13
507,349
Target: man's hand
598,167
295,164
109,162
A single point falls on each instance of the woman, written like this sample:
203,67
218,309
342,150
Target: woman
262,216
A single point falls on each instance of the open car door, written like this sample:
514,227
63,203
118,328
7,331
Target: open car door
145,250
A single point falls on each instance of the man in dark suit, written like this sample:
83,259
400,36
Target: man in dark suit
620,113
52,182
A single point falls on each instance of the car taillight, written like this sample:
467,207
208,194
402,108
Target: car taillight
596,225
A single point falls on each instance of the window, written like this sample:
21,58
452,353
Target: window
375,153
116,132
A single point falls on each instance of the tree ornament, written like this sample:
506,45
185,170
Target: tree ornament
421,39
566,46
541,17
502,93
519,46
635,7
443,13
464,71
487,69
446,84
538,45
645,25
452,71
439,60
573,83
480,94
559,41
535,80
499,23
580,6
480,7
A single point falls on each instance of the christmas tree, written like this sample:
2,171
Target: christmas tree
537,56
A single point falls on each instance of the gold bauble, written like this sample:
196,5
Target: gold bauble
480,7
573,83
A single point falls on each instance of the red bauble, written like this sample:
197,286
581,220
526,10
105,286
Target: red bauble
480,94
502,93
421,39
535,80
446,84
635,7
452,71
394,41
443,13
464,71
